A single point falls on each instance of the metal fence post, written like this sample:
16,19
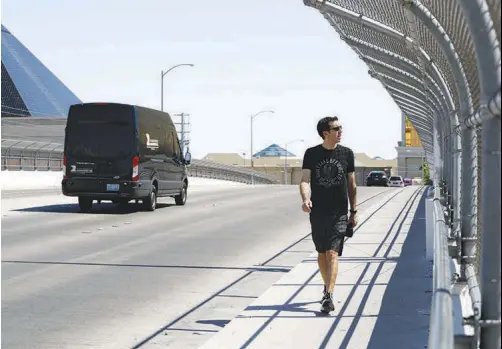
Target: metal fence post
460,160
36,157
437,156
22,157
487,47
429,221
469,198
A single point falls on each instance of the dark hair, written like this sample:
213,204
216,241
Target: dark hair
323,124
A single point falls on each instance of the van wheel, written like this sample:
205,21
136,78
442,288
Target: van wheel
181,199
150,202
85,204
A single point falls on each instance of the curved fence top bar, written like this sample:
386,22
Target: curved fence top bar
392,14
380,32
393,33
449,14
28,145
494,6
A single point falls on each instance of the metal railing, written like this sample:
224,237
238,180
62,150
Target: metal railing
441,323
440,61
39,156
30,156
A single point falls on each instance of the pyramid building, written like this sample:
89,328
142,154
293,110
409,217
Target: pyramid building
29,88
273,150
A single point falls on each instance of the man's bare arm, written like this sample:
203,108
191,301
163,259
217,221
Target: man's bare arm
305,185
352,191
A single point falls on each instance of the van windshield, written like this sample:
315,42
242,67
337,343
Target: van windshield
100,132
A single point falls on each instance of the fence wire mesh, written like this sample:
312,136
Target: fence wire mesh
387,12
460,40
449,14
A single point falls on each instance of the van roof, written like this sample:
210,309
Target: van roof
119,104
104,103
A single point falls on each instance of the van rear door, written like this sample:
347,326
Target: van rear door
100,141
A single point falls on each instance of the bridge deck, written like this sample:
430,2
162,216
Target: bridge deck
382,295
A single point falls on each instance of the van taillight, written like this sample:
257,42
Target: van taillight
135,168
64,167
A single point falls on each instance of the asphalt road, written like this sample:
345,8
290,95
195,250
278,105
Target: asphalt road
169,278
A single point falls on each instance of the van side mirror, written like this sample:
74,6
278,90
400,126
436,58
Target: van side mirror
188,158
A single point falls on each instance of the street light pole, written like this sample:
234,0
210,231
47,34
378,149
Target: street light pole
286,165
251,154
286,162
162,74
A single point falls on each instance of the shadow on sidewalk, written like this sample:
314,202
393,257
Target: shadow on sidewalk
289,307
403,318
404,314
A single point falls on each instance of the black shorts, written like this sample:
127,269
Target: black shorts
328,231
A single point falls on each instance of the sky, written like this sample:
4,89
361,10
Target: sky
249,56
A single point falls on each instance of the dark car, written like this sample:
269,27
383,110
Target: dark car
408,181
377,178
121,152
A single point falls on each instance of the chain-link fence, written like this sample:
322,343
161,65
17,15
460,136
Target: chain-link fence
40,156
31,156
36,144
440,62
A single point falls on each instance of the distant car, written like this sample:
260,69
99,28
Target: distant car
376,178
408,181
396,181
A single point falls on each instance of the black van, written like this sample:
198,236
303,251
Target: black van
121,152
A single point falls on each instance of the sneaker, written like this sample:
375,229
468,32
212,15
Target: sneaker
323,294
327,304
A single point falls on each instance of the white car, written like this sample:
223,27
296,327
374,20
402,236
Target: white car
396,181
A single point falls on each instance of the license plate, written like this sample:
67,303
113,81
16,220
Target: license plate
112,187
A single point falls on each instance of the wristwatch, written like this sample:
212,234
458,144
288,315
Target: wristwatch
353,211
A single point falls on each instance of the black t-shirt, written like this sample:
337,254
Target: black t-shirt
328,178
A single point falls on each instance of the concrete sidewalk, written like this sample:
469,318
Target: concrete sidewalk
382,294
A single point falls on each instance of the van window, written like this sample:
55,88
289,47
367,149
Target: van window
170,149
100,131
394,178
176,145
376,174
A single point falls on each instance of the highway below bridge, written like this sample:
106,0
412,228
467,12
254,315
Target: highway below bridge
173,278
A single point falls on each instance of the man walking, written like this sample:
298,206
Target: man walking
329,169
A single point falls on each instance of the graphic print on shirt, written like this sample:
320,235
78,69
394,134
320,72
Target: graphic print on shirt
329,172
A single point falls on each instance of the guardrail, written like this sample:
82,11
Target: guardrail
441,334
38,156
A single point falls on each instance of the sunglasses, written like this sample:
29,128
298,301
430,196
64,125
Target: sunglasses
337,128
